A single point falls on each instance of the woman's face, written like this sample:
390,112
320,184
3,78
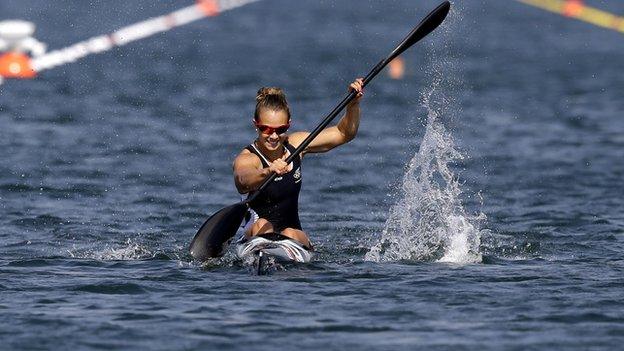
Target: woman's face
272,119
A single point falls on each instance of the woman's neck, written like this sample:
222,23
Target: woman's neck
272,155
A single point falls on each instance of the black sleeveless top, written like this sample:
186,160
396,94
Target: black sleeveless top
279,201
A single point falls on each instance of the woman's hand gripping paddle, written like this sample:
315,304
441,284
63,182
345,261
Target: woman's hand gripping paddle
220,228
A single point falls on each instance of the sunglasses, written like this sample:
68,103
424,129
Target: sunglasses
268,130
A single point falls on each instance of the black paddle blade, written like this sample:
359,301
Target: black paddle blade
217,231
426,26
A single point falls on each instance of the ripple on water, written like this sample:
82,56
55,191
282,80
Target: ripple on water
130,316
18,244
86,189
111,288
136,150
18,187
337,328
51,301
157,200
348,189
77,190
580,318
37,262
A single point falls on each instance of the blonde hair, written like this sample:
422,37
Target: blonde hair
271,98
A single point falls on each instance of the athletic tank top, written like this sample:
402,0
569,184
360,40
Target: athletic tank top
279,201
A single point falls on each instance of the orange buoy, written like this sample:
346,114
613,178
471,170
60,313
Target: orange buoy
16,65
618,23
573,8
209,7
396,69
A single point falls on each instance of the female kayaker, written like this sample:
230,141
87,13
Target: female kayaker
276,209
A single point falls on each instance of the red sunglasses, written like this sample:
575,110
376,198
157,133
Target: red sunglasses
268,130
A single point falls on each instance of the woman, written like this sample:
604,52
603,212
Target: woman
276,208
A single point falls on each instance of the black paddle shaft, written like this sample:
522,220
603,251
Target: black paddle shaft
426,26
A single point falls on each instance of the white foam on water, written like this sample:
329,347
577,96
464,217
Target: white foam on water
128,251
462,247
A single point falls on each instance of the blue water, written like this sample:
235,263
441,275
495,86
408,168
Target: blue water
499,157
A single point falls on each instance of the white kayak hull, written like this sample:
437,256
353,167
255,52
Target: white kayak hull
275,245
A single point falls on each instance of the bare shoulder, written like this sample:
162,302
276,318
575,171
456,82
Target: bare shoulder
246,159
295,139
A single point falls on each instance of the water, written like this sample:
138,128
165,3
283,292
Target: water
111,164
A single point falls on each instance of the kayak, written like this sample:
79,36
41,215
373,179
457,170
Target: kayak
261,248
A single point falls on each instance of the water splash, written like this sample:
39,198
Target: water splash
129,250
429,221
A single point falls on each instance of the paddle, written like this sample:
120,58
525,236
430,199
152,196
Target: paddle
221,227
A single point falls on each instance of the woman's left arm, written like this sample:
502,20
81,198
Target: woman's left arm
336,135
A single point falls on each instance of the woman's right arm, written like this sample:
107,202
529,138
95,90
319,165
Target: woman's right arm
249,173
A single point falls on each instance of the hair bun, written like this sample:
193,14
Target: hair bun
271,98
265,92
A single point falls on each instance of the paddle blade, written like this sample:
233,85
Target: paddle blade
217,231
426,26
